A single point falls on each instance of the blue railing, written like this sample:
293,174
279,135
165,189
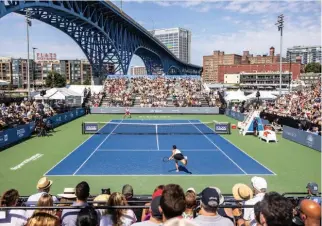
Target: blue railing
14,135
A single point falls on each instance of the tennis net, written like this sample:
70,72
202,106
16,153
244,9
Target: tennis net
145,128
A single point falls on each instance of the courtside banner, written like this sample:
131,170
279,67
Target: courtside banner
302,137
222,127
90,127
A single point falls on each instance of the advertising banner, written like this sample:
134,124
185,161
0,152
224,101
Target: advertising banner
222,128
302,137
13,135
90,127
164,110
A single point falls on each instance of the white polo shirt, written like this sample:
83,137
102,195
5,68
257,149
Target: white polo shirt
249,213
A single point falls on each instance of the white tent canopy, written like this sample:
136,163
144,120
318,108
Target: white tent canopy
236,96
265,95
71,97
3,83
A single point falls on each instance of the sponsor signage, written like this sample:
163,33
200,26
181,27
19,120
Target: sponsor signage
222,128
164,110
302,137
90,127
46,56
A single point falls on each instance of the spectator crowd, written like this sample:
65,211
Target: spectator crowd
22,113
303,105
170,205
158,91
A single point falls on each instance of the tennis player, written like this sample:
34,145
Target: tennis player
127,112
178,156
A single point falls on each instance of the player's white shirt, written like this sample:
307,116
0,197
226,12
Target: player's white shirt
177,151
127,110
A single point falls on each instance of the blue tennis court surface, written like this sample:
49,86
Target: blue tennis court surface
114,154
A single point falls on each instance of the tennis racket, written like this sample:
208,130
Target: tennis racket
166,159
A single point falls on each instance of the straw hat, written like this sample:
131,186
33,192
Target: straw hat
242,192
101,198
69,193
44,183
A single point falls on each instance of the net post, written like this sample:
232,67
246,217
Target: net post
82,127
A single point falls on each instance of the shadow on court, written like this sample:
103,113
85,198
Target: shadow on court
181,169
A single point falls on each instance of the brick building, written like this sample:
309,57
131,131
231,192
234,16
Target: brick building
211,63
294,68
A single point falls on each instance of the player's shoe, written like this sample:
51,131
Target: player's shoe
177,171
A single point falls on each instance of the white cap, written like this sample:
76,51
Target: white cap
259,183
191,189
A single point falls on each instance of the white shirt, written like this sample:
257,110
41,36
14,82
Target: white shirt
127,219
13,218
177,151
249,214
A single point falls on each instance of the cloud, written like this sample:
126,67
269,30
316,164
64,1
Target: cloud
258,36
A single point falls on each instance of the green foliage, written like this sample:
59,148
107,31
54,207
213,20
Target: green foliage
313,67
87,82
54,79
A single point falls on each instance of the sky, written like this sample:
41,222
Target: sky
229,26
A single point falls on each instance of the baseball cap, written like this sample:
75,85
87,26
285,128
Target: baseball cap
259,183
313,187
155,203
127,190
211,197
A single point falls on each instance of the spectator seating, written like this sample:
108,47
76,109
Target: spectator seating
154,92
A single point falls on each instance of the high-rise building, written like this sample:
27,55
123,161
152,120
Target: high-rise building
19,73
178,41
308,54
5,69
138,70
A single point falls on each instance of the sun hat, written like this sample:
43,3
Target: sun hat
44,183
259,183
69,193
242,192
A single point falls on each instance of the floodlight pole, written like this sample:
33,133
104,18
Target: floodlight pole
280,25
28,74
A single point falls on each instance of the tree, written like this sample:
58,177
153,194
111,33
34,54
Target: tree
313,67
54,79
87,82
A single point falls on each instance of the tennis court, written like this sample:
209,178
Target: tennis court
137,147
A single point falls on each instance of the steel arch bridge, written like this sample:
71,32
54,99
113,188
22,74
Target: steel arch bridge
105,34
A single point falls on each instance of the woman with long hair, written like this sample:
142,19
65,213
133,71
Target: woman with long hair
13,217
43,219
44,216
45,200
117,217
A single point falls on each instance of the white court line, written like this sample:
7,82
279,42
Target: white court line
156,134
73,151
243,152
162,150
219,148
97,147
162,175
